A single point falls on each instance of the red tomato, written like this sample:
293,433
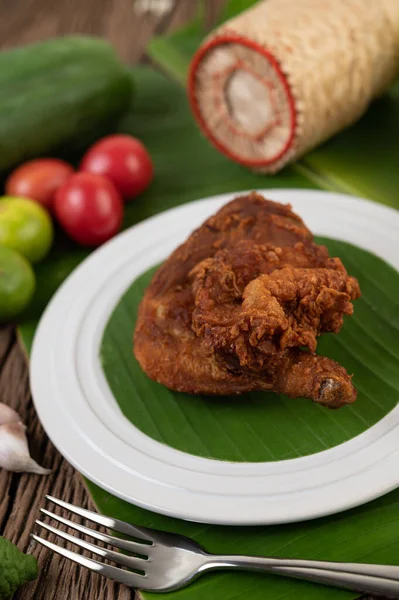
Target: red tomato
39,180
124,160
89,208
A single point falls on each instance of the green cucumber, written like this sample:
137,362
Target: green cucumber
56,92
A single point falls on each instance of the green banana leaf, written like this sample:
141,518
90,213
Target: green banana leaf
187,168
362,160
368,534
264,426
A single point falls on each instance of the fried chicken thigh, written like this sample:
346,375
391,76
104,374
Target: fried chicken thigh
239,306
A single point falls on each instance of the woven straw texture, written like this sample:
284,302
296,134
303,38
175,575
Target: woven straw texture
286,75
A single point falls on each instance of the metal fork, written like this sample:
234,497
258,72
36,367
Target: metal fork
162,562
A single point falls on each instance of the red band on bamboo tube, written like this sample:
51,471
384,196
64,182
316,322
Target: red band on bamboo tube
218,89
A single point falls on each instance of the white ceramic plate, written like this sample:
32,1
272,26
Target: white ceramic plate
84,422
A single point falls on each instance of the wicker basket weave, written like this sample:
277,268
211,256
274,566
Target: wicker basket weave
285,75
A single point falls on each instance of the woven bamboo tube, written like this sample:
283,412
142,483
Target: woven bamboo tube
285,75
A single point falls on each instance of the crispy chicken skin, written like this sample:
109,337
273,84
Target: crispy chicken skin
239,306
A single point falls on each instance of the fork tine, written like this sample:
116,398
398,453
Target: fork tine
134,547
121,559
127,577
116,524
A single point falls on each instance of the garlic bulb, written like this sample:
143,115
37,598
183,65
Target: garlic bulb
14,451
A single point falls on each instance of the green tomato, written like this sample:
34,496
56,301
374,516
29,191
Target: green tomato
26,227
17,283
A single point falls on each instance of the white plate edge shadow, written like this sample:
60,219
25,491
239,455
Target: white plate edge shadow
186,503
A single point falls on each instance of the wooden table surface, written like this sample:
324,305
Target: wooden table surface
21,496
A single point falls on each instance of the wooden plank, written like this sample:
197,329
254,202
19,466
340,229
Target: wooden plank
120,21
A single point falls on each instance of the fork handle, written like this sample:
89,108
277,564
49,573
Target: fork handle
376,579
